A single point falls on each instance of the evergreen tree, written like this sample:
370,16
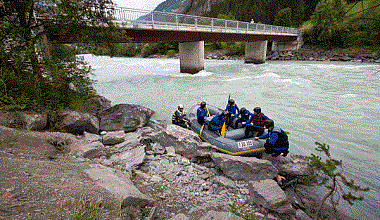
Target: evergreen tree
328,173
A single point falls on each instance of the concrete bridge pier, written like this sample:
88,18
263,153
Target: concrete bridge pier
255,52
191,56
288,46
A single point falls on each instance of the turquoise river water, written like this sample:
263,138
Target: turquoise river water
330,102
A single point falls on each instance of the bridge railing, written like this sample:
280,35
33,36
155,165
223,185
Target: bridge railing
121,15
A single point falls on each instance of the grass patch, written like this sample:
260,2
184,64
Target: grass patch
87,210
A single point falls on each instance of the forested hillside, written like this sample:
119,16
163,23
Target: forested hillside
332,23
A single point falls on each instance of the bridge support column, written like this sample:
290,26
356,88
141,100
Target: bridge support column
191,56
255,52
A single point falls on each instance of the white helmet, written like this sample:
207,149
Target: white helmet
180,106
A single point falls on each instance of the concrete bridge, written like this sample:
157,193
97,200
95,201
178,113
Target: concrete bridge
192,31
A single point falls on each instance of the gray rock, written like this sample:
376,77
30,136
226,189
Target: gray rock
119,185
77,123
170,151
301,215
158,149
98,104
214,215
244,168
34,122
89,137
155,125
88,150
130,158
183,145
180,217
292,165
124,117
113,137
131,140
223,181
268,194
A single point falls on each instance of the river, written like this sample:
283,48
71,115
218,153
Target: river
336,103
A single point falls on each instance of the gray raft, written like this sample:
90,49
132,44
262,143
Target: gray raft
233,142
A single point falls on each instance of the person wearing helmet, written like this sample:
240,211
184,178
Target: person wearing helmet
178,117
217,122
277,140
243,117
256,122
202,113
232,112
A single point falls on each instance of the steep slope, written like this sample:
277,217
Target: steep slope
175,6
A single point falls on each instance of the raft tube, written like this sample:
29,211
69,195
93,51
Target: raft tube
233,142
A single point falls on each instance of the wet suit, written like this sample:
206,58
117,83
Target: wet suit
232,109
243,118
277,142
217,122
201,114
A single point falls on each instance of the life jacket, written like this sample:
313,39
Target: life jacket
175,118
258,120
282,143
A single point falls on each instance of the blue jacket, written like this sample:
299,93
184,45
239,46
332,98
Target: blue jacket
246,116
217,122
201,112
272,139
233,109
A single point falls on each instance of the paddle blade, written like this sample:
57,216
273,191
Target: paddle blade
223,131
200,132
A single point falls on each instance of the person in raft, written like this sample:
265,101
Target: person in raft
217,122
178,117
243,117
256,122
232,113
277,140
202,113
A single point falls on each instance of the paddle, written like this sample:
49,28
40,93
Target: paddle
223,131
200,132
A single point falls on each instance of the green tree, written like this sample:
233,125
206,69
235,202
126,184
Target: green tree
328,28
35,73
328,173
284,17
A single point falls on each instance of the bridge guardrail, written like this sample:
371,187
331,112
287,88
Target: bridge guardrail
123,15
181,20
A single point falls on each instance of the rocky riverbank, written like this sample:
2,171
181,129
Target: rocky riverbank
151,170
305,54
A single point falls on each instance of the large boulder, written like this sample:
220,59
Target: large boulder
268,194
114,137
78,122
119,184
244,168
124,117
88,150
34,122
290,166
98,104
185,142
129,158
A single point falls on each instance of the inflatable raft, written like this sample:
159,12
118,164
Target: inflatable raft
233,143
